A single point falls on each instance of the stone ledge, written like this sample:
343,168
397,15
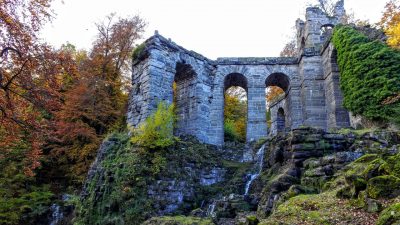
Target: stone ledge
256,61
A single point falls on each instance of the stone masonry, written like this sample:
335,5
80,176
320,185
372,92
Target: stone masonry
310,81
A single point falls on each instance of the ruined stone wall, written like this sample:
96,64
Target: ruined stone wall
276,121
337,116
256,71
161,64
310,82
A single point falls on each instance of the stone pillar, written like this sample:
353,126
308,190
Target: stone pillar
312,92
295,108
138,107
256,113
337,116
152,82
216,130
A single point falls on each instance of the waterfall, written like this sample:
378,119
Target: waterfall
56,214
211,209
257,167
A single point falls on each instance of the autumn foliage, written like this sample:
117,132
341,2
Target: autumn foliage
94,100
390,22
56,105
235,113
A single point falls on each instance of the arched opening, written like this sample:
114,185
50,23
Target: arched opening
184,98
277,86
235,107
280,120
327,29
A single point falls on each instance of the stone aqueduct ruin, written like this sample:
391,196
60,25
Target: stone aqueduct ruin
310,81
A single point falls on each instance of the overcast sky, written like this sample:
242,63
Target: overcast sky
213,28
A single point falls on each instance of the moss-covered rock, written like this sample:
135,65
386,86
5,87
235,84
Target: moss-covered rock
322,208
375,168
390,215
394,163
383,186
178,220
252,220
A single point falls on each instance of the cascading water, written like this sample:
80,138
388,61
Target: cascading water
211,209
258,168
56,214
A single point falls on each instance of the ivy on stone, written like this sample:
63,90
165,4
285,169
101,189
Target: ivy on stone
370,75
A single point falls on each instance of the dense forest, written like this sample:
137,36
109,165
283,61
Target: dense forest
57,105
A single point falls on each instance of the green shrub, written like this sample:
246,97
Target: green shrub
230,133
138,50
157,130
370,75
23,200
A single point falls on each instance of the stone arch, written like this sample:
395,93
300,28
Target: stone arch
280,120
235,79
326,29
327,26
278,79
239,80
281,108
184,98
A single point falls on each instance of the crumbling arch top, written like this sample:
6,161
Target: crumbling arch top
184,72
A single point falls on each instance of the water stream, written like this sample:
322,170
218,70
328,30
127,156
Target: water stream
57,211
56,214
211,209
257,168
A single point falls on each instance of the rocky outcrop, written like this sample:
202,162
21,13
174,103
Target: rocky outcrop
307,159
195,180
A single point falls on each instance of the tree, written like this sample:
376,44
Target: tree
390,22
115,43
95,100
28,77
290,49
328,6
235,114
273,93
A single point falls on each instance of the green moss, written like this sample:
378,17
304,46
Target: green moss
117,192
394,163
307,209
252,220
383,186
178,220
259,143
358,132
375,168
390,215
234,176
366,158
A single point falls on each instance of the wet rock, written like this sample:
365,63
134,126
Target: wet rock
213,176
